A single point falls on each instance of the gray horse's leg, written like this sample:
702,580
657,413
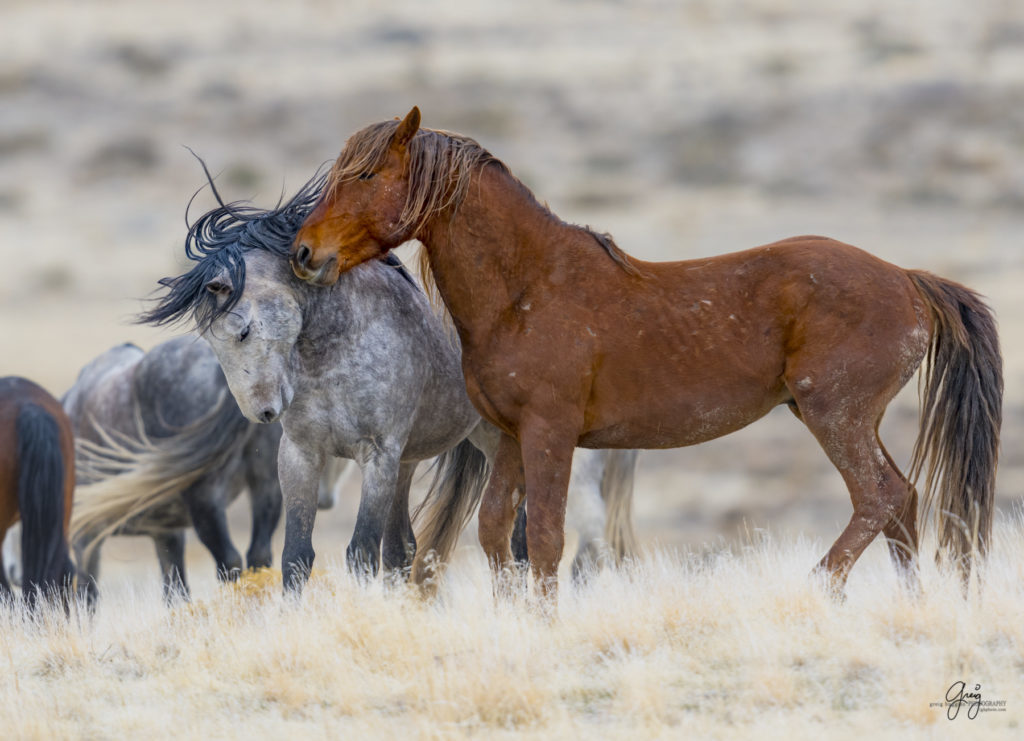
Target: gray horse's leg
88,571
205,502
266,512
170,549
399,546
299,470
336,472
12,555
380,482
586,511
264,495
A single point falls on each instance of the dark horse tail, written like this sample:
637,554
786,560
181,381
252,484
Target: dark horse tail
459,479
961,414
46,565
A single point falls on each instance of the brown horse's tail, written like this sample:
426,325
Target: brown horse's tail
617,494
961,413
459,480
46,565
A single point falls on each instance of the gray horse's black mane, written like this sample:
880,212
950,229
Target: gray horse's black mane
217,241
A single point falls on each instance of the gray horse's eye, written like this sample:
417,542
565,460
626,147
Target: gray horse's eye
244,333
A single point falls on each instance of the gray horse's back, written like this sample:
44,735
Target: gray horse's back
102,392
177,383
177,393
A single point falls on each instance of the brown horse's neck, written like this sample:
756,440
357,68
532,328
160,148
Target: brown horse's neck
498,244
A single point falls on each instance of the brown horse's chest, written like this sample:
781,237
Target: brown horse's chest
517,369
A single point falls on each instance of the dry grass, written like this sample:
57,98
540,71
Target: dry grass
713,644
685,129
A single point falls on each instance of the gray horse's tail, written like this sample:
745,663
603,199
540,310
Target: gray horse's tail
459,479
961,413
130,474
45,561
617,493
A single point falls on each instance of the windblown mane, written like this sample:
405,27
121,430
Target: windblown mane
217,241
441,165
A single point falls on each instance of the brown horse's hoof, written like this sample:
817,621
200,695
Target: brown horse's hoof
828,583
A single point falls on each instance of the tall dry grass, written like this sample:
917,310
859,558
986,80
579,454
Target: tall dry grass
715,644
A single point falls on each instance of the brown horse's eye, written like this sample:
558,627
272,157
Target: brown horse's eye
367,175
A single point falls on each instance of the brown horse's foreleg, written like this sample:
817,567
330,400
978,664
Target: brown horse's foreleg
498,507
547,461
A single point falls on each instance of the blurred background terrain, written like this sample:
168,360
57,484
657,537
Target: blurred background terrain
683,128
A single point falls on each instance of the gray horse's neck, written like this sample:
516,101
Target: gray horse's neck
324,312
359,294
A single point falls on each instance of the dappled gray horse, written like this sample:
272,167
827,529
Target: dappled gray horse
166,425
374,379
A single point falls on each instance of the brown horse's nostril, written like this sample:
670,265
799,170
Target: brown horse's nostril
302,256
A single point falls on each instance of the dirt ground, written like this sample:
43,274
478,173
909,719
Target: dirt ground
683,129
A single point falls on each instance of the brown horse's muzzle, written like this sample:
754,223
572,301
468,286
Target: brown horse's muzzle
302,265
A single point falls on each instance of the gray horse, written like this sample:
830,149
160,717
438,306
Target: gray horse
163,446
362,370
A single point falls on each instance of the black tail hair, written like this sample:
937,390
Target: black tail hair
45,561
460,476
961,416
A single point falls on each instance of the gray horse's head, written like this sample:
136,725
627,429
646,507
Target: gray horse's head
238,297
242,297
254,340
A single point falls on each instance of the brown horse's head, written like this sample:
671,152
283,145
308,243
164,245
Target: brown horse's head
363,212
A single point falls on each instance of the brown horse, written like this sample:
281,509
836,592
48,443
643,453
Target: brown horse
568,341
37,481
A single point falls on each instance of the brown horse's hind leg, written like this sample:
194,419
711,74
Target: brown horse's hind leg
498,507
847,430
901,533
877,490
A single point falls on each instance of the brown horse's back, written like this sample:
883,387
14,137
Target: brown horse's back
689,351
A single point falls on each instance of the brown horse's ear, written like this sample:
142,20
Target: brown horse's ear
407,129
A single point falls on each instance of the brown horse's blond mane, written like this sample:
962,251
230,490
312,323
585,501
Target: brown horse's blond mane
441,166
434,295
